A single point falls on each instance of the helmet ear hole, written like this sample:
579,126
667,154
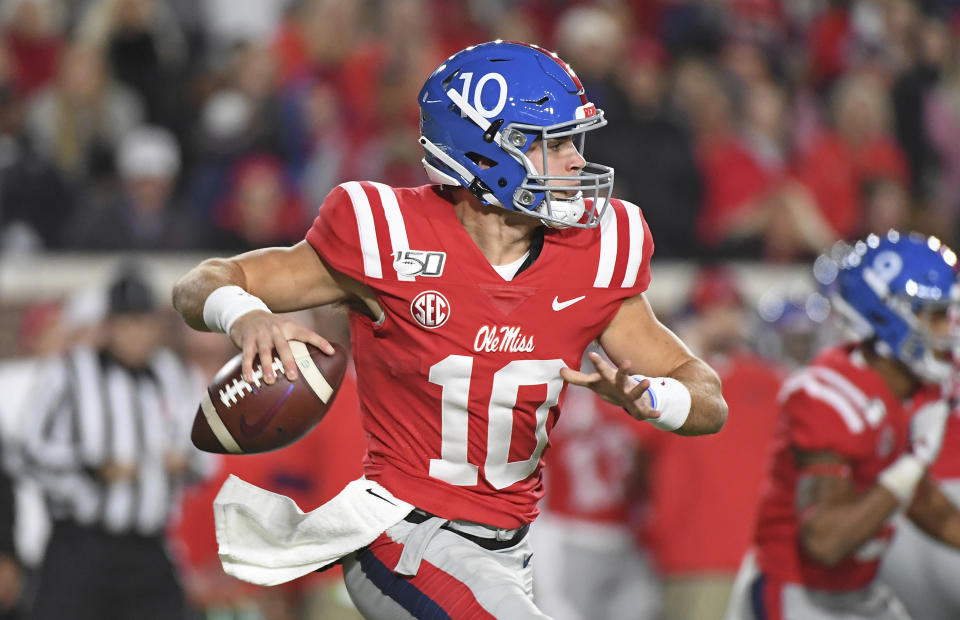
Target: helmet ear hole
502,182
481,160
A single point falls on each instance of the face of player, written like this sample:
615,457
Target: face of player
937,324
563,159
132,338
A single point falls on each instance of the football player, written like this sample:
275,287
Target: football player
472,301
857,431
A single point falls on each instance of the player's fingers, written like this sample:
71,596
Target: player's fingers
284,353
249,347
606,371
637,391
295,331
579,378
265,353
622,378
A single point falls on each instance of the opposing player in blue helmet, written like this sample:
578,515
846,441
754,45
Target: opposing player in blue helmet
483,109
858,430
472,301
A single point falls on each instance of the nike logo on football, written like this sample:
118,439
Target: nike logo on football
370,491
560,305
252,430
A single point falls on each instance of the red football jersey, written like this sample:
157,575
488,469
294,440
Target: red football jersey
460,381
837,404
591,469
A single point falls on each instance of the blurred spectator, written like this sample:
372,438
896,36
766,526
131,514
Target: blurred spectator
108,444
33,199
714,523
242,116
32,35
145,47
229,22
143,214
929,52
942,127
317,37
589,563
592,39
857,149
736,182
78,122
260,209
652,153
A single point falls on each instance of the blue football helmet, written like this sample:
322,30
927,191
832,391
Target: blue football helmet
888,288
482,110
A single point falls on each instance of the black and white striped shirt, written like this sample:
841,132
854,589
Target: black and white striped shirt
87,411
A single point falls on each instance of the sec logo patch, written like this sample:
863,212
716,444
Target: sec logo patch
430,309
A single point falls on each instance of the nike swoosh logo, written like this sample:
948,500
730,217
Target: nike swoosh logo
252,430
370,491
527,560
560,305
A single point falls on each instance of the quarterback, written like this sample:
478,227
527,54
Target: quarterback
858,429
472,301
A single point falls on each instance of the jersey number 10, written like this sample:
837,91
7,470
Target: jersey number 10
453,374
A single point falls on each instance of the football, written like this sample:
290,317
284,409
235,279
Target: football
236,417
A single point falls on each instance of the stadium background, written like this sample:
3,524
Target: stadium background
752,133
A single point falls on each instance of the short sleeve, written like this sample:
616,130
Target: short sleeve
626,247
818,422
336,236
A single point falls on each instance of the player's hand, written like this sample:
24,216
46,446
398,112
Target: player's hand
257,333
616,386
926,430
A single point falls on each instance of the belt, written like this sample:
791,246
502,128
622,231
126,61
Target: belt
497,539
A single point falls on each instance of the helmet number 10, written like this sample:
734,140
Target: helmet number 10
478,92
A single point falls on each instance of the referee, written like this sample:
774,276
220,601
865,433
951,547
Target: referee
108,440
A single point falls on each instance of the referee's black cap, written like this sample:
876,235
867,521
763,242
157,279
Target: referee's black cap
130,293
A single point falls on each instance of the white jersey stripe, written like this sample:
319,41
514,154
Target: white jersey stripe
395,225
838,402
366,228
608,248
636,240
835,379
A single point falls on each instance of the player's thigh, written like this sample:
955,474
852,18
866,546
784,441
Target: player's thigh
456,577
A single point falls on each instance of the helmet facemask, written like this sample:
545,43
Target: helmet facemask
930,352
538,195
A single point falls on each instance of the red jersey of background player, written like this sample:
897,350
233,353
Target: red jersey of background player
459,381
837,404
592,466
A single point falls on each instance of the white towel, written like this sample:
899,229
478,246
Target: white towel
266,539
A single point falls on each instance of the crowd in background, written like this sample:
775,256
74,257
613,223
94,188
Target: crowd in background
742,128
749,129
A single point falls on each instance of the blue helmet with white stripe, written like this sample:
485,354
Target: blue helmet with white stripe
888,289
482,110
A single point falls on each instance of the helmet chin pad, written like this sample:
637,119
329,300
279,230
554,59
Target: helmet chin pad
561,212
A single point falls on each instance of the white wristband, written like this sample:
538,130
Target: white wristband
902,477
227,304
671,398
